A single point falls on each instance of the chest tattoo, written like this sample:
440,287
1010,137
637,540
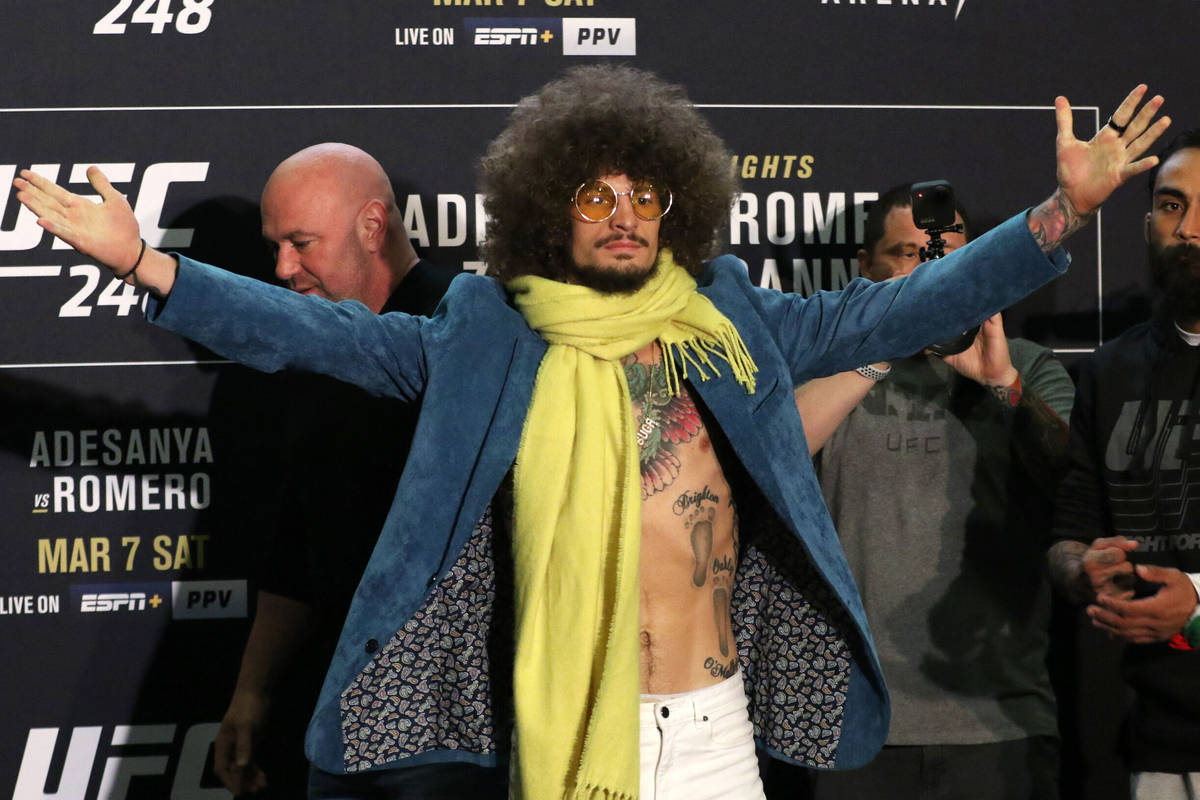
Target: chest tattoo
662,422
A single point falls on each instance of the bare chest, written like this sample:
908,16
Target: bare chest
689,543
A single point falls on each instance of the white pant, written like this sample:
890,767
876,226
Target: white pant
699,744
1165,785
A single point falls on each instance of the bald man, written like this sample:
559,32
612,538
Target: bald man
331,217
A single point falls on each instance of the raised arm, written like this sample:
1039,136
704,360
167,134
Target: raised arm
831,332
106,231
1088,172
262,326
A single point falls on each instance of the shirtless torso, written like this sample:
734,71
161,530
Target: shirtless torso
689,538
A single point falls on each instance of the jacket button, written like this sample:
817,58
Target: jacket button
372,645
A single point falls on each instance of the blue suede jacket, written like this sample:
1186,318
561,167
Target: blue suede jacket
416,677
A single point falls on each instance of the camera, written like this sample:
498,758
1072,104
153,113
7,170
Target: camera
933,205
933,212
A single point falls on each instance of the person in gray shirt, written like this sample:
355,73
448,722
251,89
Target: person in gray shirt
939,474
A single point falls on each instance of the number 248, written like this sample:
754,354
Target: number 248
194,17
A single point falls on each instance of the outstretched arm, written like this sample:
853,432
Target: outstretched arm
1088,172
106,231
830,332
382,354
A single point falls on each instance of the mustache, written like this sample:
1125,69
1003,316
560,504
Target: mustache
616,237
1182,254
1174,263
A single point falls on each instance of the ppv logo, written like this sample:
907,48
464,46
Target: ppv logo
208,599
600,37
147,207
509,32
154,745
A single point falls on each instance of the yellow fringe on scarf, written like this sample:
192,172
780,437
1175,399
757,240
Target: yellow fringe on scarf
577,535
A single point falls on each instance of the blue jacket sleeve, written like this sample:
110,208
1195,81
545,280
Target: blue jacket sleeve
866,322
270,328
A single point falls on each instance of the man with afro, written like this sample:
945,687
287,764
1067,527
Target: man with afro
606,523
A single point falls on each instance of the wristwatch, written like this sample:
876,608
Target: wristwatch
873,373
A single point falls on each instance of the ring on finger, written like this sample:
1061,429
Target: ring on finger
1120,129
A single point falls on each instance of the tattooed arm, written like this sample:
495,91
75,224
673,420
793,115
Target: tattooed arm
1081,516
1038,402
1039,433
1102,576
1098,572
1039,436
1088,172
1084,572
1056,219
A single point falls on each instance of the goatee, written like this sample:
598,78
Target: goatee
607,279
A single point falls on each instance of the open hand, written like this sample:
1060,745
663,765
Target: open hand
106,231
1088,172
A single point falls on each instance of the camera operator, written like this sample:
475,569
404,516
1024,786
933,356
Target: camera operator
939,473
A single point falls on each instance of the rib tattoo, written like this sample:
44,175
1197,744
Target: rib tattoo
721,613
702,542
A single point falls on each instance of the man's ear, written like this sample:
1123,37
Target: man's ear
372,225
864,263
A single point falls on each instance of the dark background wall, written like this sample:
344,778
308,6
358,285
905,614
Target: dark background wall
133,466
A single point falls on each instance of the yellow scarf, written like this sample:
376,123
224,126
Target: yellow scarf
577,535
